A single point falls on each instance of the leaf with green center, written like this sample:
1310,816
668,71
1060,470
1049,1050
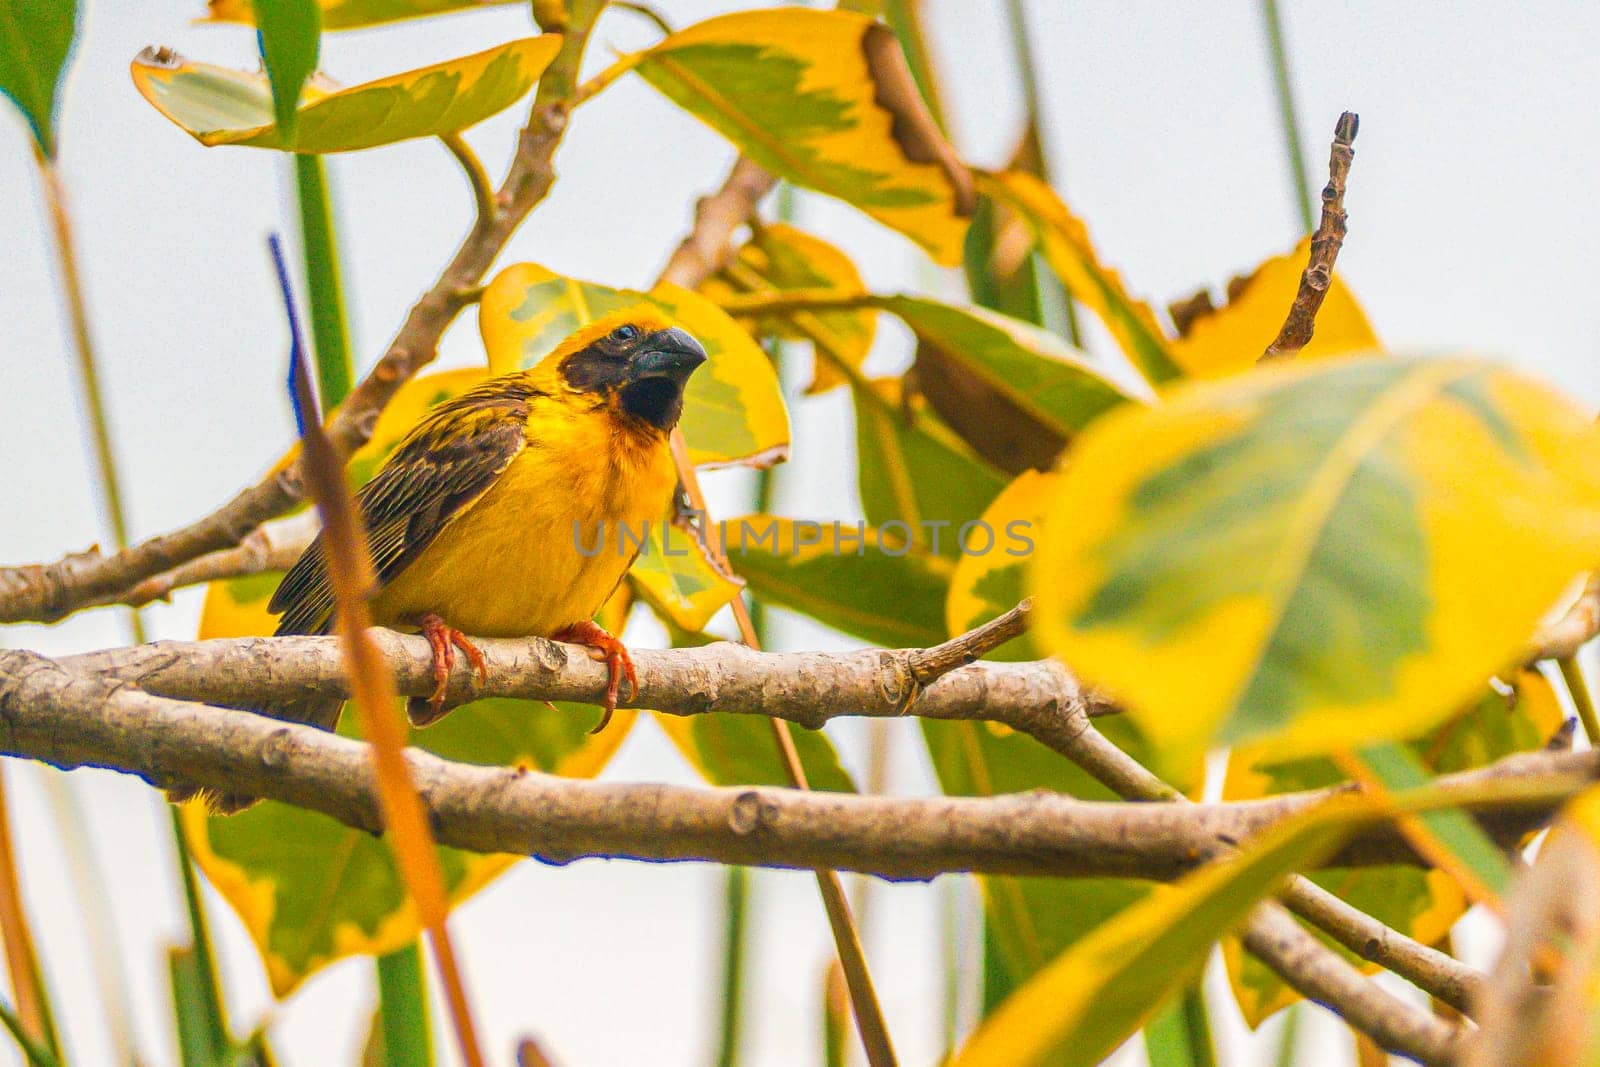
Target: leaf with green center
824,99
914,473
866,582
1422,904
35,39
220,106
311,890
291,38
1094,996
1065,244
733,410
1012,391
990,583
779,257
353,14
1232,338
1303,553
678,580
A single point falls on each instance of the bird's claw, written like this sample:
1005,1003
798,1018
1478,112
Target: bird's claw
444,640
614,654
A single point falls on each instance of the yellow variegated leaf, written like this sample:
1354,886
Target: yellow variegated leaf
1421,903
1303,553
1232,338
733,410
1065,244
824,99
352,14
678,580
779,257
221,106
990,582
286,871
1093,996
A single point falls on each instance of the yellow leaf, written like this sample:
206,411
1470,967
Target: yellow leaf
733,410
1065,244
1232,338
678,580
217,106
989,583
779,257
1089,999
1422,904
824,99
1321,554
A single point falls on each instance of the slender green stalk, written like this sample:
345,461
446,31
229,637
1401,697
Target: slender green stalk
37,1055
1286,111
89,389
403,1008
1572,674
21,957
1287,1036
207,987
736,902
320,247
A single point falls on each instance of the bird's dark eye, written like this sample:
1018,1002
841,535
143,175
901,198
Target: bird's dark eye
625,333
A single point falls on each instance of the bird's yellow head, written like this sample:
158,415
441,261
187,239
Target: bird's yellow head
634,361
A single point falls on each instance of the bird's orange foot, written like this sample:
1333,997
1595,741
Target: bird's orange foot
444,640
613,653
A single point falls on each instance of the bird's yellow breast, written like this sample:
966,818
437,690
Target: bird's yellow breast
546,544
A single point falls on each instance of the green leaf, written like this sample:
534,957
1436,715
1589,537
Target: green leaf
1180,1034
824,99
35,38
733,409
200,1041
914,472
291,38
1303,553
1097,993
842,575
352,14
729,749
1036,373
403,1008
1065,244
220,106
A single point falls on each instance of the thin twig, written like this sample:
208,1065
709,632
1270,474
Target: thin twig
702,252
477,177
1325,244
1579,625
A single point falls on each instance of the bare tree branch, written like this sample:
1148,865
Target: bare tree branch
1325,245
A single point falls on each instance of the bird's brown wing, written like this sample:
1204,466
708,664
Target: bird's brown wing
442,466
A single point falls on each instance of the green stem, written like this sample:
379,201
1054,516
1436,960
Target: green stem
1286,111
319,245
1572,674
403,1008
205,957
737,901
1287,1036
37,1055
88,367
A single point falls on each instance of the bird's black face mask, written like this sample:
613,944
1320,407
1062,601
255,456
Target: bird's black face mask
647,370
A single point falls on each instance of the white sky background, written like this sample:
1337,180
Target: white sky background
1469,228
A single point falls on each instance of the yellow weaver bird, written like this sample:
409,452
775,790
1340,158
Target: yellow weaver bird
485,519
